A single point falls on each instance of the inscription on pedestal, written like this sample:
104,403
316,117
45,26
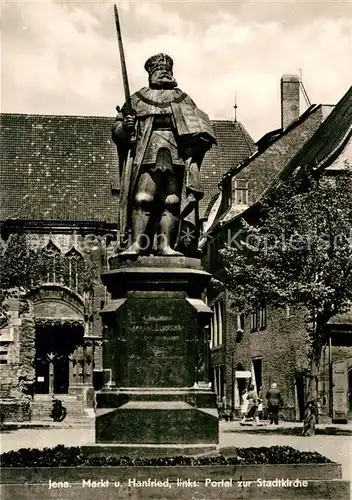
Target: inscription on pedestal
154,331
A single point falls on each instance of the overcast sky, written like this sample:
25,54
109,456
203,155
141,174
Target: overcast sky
63,58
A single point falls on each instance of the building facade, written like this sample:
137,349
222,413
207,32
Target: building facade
267,345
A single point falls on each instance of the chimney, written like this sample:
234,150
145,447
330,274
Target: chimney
289,100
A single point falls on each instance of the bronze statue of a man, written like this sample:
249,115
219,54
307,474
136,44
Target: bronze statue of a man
161,143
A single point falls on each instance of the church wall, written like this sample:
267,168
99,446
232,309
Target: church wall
17,374
17,338
93,249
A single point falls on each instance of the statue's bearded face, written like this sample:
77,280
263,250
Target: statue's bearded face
162,78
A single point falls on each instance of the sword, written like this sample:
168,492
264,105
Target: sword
128,110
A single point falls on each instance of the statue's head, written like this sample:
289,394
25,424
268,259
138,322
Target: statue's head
159,68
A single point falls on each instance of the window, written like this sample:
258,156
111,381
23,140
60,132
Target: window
219,381
52,260
74,259
217,324
212,329
262,318
258,319
240,322
4,351
257,370
254,320
241,192
221,322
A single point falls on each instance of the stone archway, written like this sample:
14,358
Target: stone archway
63,353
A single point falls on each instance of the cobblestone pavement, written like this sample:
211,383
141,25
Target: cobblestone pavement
337,448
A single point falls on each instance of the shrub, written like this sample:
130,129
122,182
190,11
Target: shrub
62,456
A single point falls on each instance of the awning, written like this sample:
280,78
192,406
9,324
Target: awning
341,319
200,306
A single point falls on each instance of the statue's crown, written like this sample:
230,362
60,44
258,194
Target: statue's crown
159,60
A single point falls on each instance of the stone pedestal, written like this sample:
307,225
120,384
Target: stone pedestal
154,355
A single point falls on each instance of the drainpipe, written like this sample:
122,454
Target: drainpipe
330,379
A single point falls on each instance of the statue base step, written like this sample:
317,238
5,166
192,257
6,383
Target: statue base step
151,422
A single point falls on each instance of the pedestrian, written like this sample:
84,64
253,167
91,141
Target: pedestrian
253,403
220,405
260,405
244,406
275,402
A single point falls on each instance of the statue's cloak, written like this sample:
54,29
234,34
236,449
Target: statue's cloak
192,131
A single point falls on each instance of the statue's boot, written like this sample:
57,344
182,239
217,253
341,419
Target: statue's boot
167,251
140,221
132,250
168,227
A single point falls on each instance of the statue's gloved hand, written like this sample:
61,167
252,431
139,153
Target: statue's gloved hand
129,123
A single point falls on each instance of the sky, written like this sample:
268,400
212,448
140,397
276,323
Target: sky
62,57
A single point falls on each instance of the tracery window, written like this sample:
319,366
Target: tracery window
74,261
52,263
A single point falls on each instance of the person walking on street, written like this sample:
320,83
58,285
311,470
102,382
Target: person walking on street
253,403
244,406
275,402
260,405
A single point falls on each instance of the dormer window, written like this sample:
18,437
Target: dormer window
241,192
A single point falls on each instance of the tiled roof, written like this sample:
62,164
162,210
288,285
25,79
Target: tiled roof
330,139
234,145
267,165
57,168
329,144
62,168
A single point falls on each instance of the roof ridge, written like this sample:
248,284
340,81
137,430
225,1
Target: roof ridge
246,135
44,115
307,113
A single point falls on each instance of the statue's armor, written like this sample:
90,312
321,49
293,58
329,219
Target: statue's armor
162,136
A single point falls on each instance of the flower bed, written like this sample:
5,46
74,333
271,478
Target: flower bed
279,472
62,456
